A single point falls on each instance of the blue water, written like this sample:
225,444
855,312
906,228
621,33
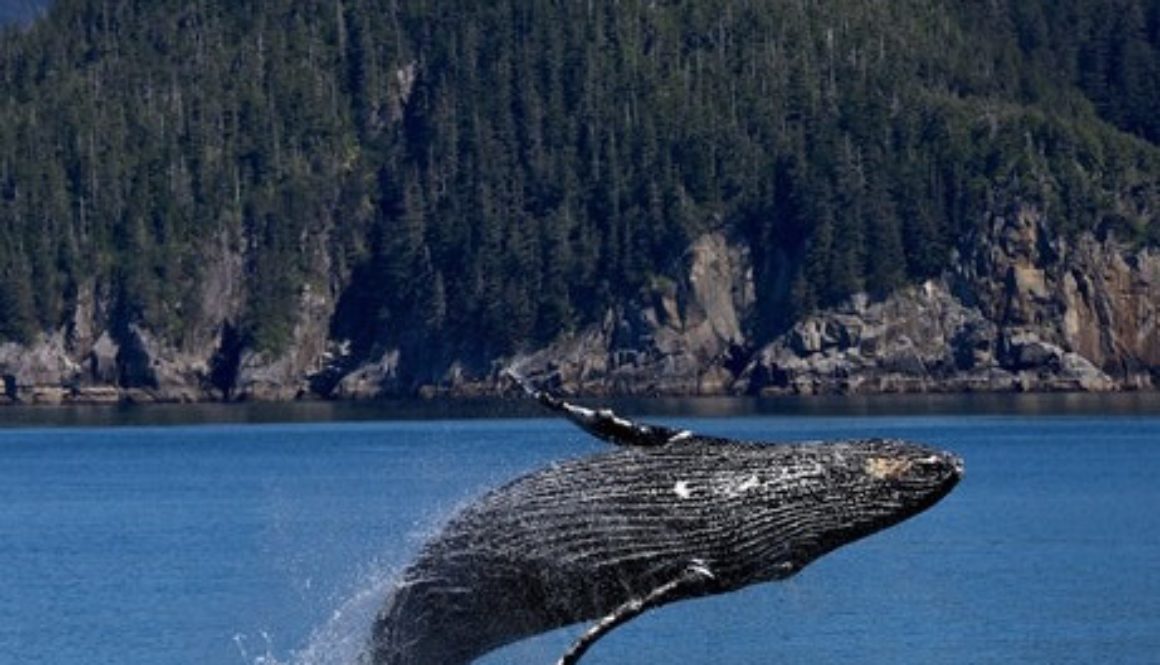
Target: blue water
246,544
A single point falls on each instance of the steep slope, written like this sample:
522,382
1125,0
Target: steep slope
209,200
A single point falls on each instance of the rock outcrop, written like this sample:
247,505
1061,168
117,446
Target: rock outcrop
287,376
97,359
685,337
920,339
1095,298
37,375
1020,309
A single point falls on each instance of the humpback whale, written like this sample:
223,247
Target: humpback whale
665,515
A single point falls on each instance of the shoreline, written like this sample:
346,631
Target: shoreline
633,384
500,390
677,409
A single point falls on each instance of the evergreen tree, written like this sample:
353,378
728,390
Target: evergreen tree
494,174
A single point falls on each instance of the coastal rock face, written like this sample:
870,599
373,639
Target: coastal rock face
37,375
915,340
1095,298
1020,309
287,376
371,379
98,359
680,337
920,339
152,371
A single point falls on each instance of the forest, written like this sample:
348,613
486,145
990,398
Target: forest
479,177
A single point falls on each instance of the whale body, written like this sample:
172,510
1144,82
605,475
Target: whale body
666,516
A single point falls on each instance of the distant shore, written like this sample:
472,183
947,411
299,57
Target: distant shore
678,409
52,396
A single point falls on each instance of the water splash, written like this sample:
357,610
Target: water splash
341,638
241,641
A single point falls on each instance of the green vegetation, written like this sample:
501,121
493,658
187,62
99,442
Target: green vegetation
494,173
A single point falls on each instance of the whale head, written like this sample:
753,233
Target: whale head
808,499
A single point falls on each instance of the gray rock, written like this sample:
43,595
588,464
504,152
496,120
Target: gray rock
287,375
38,374
1020,308
371,379
1024,350
103,368
153,371
1081,374
887,346
680,337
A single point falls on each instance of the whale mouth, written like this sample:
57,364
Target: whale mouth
942,464
947,471
960,469
945,467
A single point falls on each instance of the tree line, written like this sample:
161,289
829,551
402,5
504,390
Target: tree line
492,174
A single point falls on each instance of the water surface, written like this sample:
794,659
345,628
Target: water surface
242,543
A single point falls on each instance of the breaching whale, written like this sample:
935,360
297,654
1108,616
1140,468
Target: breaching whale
666,515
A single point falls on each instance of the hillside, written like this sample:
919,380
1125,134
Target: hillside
210,200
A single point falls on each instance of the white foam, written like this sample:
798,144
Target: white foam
339,640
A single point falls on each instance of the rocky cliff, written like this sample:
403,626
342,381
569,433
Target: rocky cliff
96,358
684,337
1020,309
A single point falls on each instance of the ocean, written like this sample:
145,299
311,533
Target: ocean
269,535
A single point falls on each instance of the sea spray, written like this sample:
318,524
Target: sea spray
241,641
341,637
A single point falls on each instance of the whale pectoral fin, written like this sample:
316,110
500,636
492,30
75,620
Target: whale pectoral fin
603,423
691,580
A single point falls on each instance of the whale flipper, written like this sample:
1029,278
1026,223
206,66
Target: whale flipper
604,424
691,580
